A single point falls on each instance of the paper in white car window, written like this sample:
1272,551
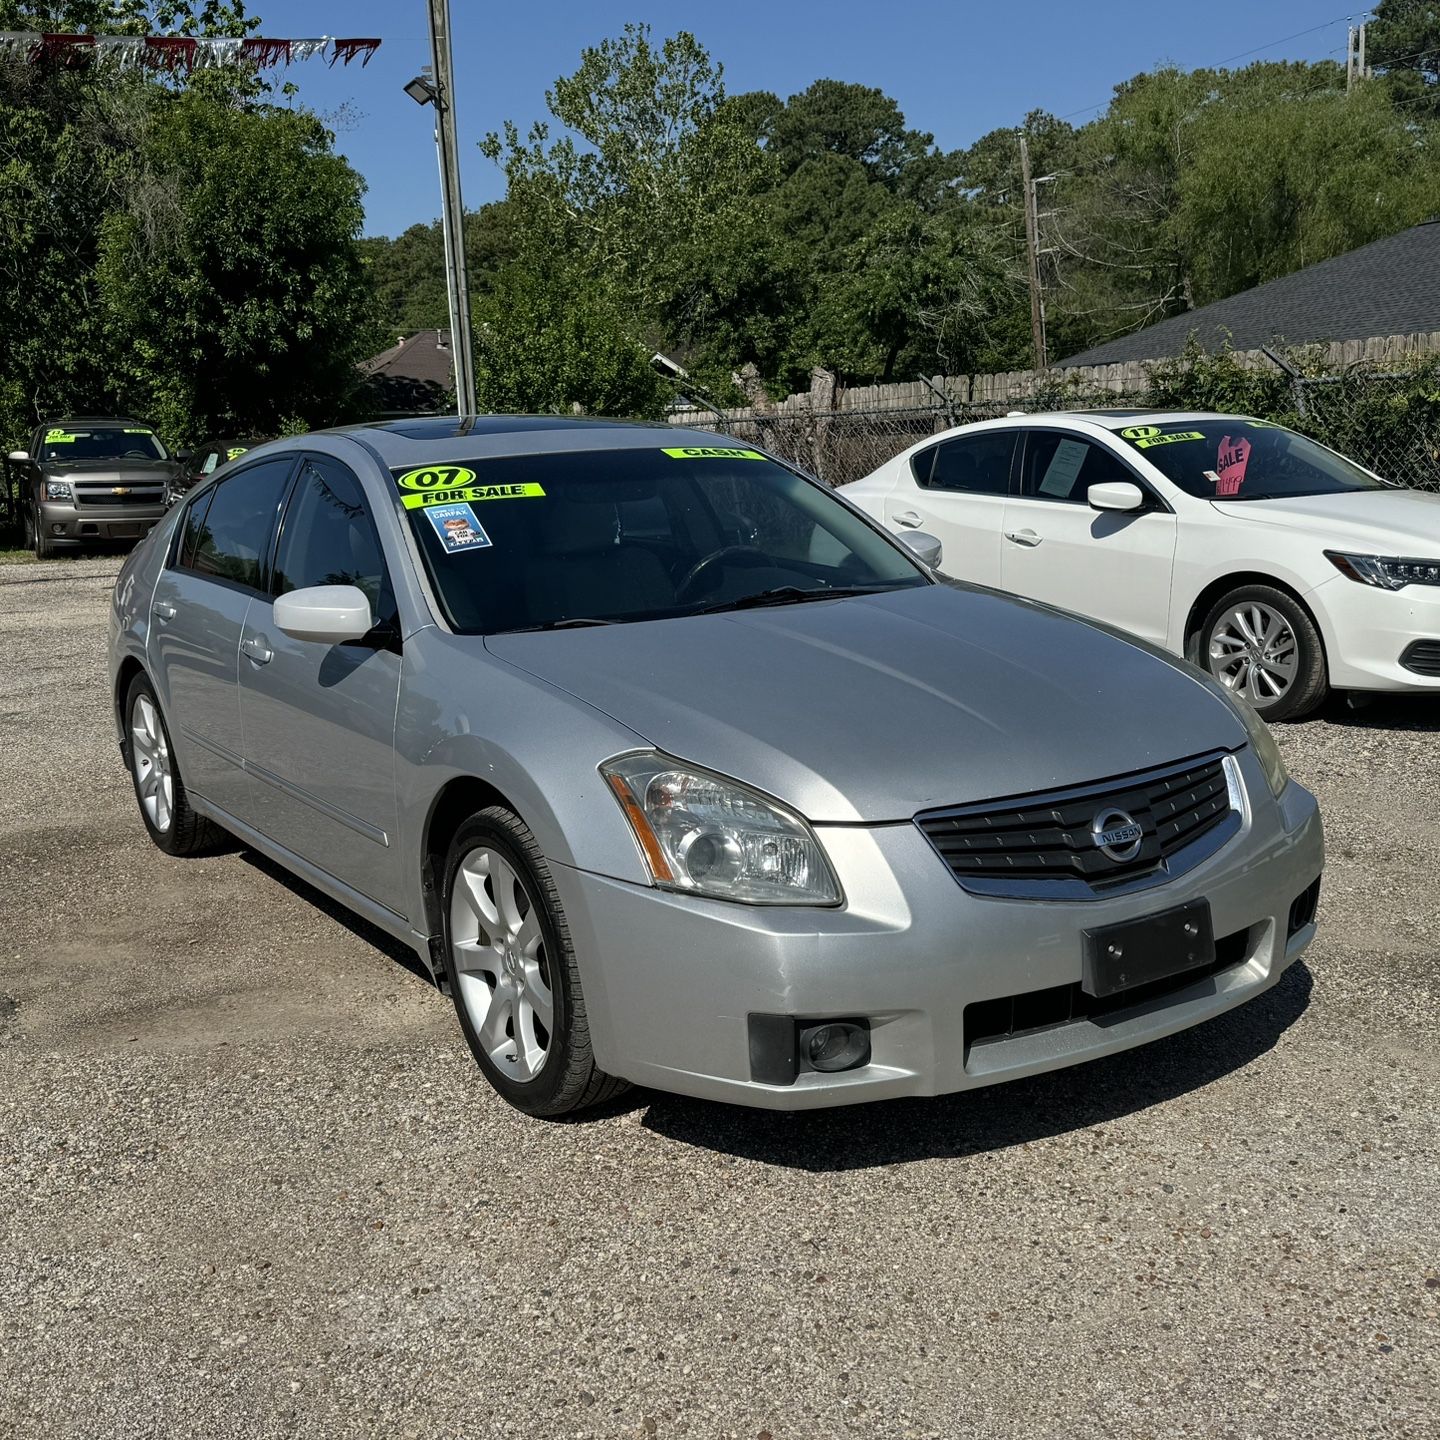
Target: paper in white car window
1065,465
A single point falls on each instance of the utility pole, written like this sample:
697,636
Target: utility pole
1349,59
452,213
1032,255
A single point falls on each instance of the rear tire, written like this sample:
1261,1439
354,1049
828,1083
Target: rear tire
1260,643
159,790
512,970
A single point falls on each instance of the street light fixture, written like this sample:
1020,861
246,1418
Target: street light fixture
422,90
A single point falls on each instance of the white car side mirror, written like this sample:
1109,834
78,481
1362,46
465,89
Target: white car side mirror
1116,495
18,455
329,614
926,548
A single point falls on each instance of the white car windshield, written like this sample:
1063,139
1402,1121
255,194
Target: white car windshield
1245,460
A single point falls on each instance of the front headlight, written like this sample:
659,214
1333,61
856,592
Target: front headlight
707,835
59,490
1387,572
1267,752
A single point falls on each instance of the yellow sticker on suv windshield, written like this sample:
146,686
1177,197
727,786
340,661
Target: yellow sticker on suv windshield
60,437
138,430
1146,441
712,452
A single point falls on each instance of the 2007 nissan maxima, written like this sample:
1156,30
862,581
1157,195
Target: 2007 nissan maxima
675,769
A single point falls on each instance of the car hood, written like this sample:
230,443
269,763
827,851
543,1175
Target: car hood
1395,522
873,708
117,470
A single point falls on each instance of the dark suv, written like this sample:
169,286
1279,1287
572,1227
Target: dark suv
91,480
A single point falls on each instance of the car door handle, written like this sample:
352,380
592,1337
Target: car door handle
909,519
1023,537
257,650
164,612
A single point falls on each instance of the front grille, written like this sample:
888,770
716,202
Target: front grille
1011,1015
1423,657
1044,846
150,493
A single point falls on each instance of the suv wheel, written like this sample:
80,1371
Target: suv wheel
39,540
512,970
159,790
1259,642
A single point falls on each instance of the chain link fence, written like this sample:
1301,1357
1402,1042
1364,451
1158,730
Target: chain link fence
1387,420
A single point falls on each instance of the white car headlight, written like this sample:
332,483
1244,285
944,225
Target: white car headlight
706,835
1388,572
58,490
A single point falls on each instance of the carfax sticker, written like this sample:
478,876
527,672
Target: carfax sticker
1144,442
711,452
457,527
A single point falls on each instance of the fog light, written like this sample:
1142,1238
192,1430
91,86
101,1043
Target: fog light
836,1045
57,528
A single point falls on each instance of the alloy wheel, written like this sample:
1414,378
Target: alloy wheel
1254,652
499,963
150,757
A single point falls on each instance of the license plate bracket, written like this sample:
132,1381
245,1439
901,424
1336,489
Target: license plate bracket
1154,947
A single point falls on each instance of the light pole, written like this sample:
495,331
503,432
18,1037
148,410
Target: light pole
438,89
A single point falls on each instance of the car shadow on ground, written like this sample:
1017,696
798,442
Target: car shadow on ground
1418,714
997,1117
392,948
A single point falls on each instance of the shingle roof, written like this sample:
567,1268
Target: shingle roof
1389,287
413,374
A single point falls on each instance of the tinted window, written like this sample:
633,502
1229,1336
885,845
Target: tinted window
119,442
627,535
235,531
191,528
327,537
1058,466
978,464
1244,460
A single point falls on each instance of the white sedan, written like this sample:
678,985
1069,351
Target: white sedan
1281,567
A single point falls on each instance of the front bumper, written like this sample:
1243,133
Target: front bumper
671,981
62,522
1367,630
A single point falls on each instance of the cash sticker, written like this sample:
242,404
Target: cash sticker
711,452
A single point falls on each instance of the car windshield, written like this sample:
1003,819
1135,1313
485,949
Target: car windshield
1245,460
536,541
110,442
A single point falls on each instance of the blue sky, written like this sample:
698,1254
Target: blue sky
957,68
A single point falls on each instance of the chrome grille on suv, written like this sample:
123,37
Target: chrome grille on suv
1046,845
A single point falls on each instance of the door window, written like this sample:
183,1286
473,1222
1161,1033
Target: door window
234,530
976,464
328,537
1063,467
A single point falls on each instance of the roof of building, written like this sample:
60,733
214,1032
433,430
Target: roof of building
1388,287
415,373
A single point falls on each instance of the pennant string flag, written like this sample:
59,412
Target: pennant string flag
172,53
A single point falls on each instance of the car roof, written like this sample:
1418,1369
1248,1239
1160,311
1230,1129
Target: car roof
1119,419
427,439
95,422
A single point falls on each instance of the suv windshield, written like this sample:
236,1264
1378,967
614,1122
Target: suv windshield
111,442
533,541
1245,460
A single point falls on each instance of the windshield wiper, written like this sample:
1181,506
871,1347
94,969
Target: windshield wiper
570,622
790,595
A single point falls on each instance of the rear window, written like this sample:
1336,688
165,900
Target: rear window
137,442
527,542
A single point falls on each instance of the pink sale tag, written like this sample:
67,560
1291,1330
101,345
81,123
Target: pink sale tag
1230,465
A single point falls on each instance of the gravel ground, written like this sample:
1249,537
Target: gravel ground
251,1185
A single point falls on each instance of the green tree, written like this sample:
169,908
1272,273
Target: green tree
1403,40
231,284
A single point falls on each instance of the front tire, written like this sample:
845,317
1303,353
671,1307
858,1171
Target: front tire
512,970
1261,643
159,790
40,541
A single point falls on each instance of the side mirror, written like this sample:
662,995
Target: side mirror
184,457
925,548
1116,495
328,614
18,455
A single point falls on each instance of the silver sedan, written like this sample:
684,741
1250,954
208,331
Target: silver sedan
675,769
